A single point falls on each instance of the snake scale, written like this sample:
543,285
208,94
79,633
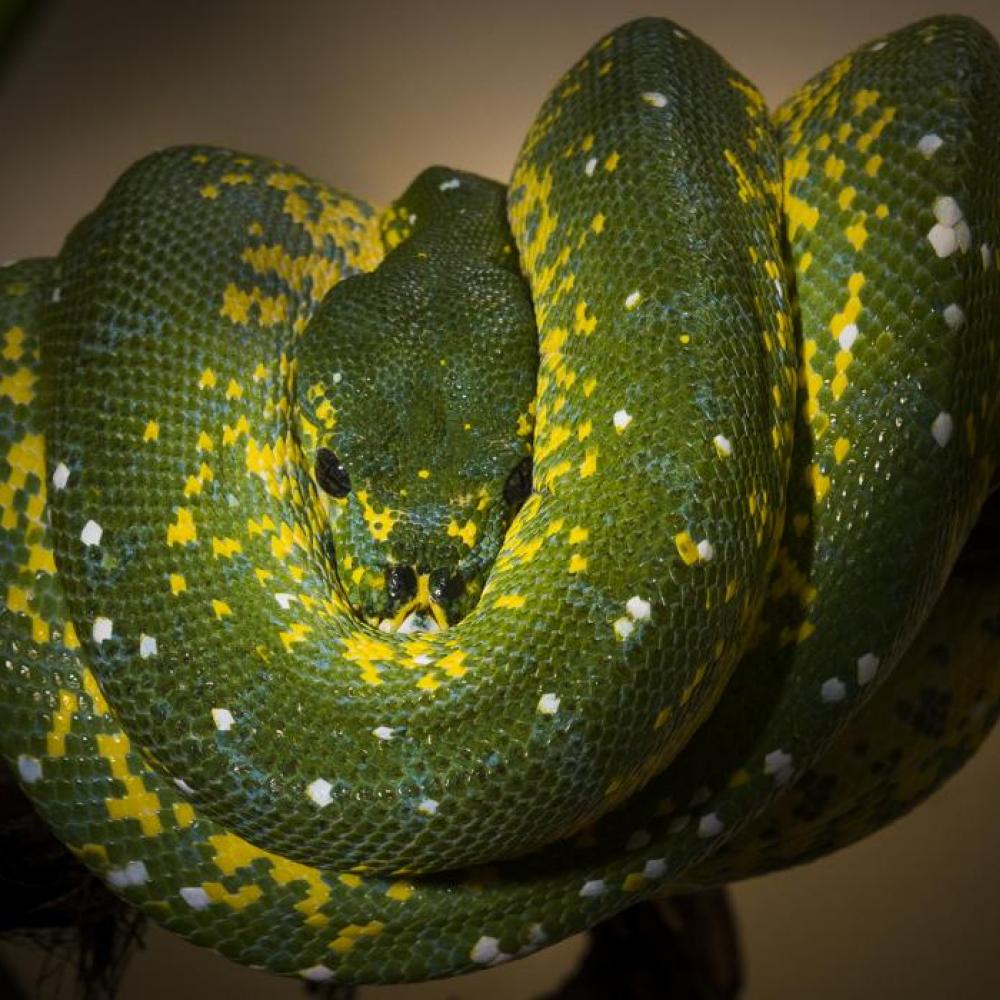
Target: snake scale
390,593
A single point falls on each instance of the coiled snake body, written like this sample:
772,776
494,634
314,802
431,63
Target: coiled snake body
388,594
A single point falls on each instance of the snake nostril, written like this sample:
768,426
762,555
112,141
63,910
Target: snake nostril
445,586
400,582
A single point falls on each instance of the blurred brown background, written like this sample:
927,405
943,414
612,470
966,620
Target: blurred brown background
365,94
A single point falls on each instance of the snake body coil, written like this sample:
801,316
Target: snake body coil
391,593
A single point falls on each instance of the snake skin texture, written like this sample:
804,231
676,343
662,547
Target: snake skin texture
391,593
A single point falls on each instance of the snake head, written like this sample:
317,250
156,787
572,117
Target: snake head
414,397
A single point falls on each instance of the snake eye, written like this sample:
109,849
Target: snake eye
445,586
518,486
400,582
331,474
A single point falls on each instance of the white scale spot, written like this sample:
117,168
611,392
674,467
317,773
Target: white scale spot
134,873
317,974
428,807
103,629
706,551
632,300
779,764
337,376
723,446
680,34
942,428
449,185
951,232
621,420
548,704
638,607
284,600
954,316
223,719
30,768
384,732
590,166
847,336
877,47
987,255
60,476
655,868
929,144
832,690
638,840
91,534
623,627
422,660
486,951
593,889
655,99
710,825
195,897
147,646
56,294
319,791
867,668
183,786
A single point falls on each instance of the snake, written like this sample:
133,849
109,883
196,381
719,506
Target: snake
392,592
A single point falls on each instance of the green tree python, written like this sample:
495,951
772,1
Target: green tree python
390,593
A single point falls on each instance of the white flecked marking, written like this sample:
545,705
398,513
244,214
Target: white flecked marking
423,660
987,255
655,868
832,690
954,316
134,873
30,768
947,210
319,791
384,732
638,607
655,99
428,807
942,428
183,786
943,239
60,476
548,704
337,376
195,897
623,627
723,446
680,34
223,719
710,825
449,185
91,533
867,668
929,144
878,46
56,294
103,629
779,764
593,889
147,646
621,420
317,974
284,600
486,950
590,166
632,300
847,336
706,551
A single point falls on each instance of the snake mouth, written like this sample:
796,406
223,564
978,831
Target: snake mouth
420,614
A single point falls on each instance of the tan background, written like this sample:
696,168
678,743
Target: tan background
365,94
